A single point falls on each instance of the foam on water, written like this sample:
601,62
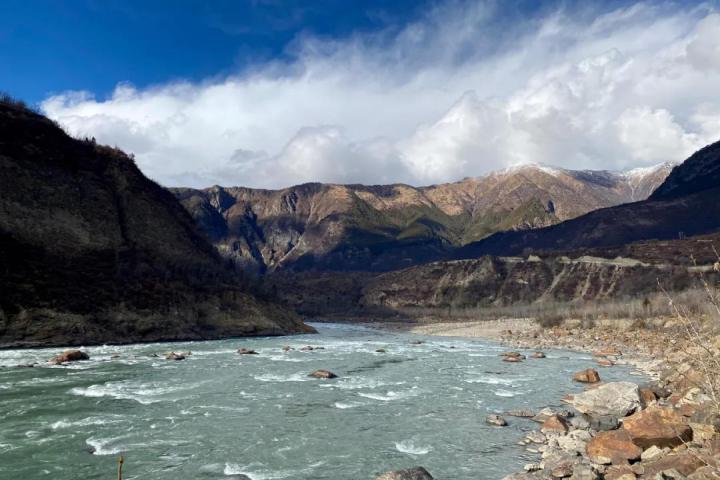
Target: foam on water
409,447
141,393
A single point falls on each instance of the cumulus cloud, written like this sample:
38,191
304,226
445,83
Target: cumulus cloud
457,93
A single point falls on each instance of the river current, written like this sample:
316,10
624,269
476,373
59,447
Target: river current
219,414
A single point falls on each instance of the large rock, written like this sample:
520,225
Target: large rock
417,473
614,398
684,462
659,426
614,447
589,375
69,356
555,423
496,420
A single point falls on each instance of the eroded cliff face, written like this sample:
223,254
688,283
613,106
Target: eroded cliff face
385,227
94,252
502,281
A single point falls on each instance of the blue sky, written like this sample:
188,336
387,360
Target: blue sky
270,93
51,46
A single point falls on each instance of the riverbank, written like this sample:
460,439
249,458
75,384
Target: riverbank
668,428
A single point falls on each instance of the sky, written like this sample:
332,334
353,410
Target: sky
270,93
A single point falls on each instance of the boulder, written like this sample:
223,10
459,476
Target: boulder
416,342
513,359
380,350
619,472
614,398
417,473
684,462
589,375
604,362
538,355
582,471
496,420
247,351
69,356
562,470
322,374
653,453
647,397
601,423
615,447
174,356
555,423
659,426
607,352
287,348
574,442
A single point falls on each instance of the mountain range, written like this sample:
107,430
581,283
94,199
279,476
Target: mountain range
384,227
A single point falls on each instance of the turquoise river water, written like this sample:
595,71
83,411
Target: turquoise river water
218,414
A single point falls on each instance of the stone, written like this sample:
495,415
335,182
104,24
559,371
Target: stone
604,362
380,350
589,375
247,351
286,348
496,420
579,423
562,471
69,356
322,374
174,356
607,352
619,472
521,413
614,447
538,355
536,437
652,453
659,426
555,423
707,472
582,471
532,467
548,412
614,398
417,473
647,396
684,462
513,359
416,342
602,423
574,442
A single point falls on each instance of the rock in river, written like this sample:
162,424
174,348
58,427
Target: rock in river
417,473
589,375
69,356
247,351
496,420
322,374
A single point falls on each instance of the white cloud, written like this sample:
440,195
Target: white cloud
456,94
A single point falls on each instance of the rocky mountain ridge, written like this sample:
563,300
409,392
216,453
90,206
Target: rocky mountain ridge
384,227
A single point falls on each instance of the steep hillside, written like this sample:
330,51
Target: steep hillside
502,281
686,204
379,228
91,251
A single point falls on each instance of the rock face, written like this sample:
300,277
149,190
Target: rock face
615,398
357,227
94,252
657,426
589,375
615,446
417,473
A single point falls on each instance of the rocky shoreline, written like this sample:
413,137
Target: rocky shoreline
667,428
